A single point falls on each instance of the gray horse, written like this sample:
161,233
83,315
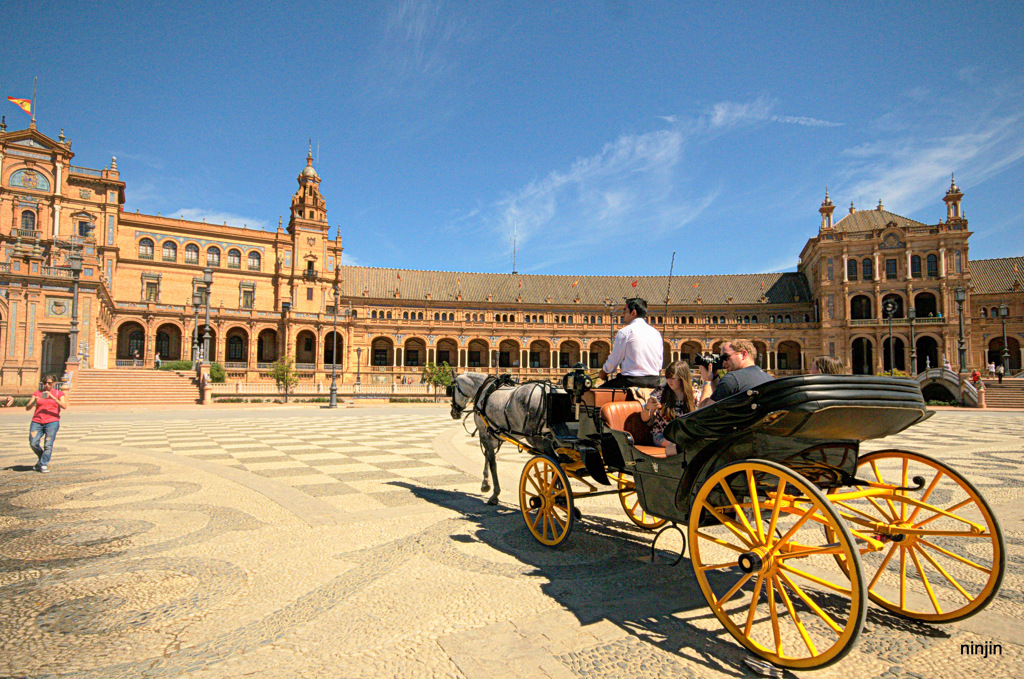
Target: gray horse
512,408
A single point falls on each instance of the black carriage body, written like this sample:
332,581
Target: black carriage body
812,424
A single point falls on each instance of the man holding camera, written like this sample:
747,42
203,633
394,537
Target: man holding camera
638,349
742,373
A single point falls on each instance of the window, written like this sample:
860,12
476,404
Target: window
213,257
443,356
380,356
28,220
236,348
984,313
163,344
234,259
308,344
412,357
191,254
829,266
915,266
152,291
474,359
85,229
248,298
145,249
867,269
851,269
309,294
373,314
504,359
933,266
890,269
389,315
405,315
563,359
534,359
254,261
437,316
170,251
957,262
594,360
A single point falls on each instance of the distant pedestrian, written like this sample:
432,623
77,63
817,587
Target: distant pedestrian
156,360
48,402
991,368
135,358
946,364
999,372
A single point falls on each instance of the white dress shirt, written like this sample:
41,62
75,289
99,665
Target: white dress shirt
638,348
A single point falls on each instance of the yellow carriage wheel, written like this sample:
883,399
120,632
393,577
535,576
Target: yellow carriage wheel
546,500
943,556
767,570
631,504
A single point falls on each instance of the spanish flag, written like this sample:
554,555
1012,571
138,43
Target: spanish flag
575,283
634,283
697,284
24,104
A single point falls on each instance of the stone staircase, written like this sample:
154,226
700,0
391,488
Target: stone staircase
137,386
1009,394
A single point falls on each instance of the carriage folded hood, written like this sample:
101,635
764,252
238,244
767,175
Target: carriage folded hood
848,407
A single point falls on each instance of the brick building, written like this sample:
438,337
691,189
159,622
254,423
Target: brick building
275,292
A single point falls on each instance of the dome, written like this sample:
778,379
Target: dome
309,172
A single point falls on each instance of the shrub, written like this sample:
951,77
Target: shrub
176,365
941,403
217,374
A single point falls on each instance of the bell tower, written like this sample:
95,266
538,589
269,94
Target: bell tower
826,210
309,209
952,200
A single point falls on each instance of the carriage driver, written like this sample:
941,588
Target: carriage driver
638,349
741,372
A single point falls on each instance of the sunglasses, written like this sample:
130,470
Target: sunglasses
725,357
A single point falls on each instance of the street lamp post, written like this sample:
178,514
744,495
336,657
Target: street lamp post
890,308
197,301
912,314
207,282
1004,311
334,355
75,264
359,356
960,295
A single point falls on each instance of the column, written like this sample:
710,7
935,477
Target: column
56,221
585,357
398,357
909,273
877,272
554,354
942,262
846,269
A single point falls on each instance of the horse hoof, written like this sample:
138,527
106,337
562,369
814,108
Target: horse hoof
492,501
485,487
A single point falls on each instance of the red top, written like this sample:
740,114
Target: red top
47,409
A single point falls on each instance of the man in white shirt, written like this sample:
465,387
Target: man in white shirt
639,350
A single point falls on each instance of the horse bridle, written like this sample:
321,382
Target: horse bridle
456,408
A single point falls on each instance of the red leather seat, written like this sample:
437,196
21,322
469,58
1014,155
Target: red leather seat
625,416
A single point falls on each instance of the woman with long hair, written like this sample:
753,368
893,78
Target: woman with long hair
669,401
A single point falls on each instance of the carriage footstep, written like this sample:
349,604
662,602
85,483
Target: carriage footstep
763,668
654,544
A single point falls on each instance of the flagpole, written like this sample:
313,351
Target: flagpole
35,81
668,291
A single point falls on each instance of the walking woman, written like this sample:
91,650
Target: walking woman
669,401
48,402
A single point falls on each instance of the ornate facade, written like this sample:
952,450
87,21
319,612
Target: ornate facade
283,292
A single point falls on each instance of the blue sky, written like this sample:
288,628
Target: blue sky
607,134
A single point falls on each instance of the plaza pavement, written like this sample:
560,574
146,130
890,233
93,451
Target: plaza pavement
299,542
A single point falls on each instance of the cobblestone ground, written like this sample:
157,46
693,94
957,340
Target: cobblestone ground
303,542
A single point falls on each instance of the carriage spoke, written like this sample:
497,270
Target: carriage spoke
903,577
728,523
723,543
736,507
752,490
924,579
881,569
939,513
779,494
754,600
833,548
534,484
951,555
888,516
732,592
826,618
927,494
946,575
905,482
796,618
718,566
792,531
813,578
775,618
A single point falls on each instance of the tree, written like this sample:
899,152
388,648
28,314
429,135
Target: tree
283,372
438,376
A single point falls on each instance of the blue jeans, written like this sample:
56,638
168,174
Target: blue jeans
35,432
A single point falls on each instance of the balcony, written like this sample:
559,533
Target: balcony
55,271
898,321
309,274
27,233
87,171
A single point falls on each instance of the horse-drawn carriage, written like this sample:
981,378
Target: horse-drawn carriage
791,530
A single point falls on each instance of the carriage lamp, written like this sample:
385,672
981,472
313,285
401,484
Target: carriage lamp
197,301
334,355
911,316
207,282
960,295
75,265
890,308
1004,311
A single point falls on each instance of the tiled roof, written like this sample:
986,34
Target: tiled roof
778,288
867,220
992,276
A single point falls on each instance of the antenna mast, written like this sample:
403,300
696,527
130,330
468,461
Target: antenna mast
668,290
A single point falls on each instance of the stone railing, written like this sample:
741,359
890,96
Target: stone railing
88,171
55,271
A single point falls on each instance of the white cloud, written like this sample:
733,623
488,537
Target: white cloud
197,214
804,120
730,113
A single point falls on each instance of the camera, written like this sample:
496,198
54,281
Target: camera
712,361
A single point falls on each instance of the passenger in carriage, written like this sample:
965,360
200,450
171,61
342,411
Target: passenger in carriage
638,349
742,373
669,401
827,365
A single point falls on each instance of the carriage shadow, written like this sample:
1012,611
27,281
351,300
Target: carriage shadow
603,573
